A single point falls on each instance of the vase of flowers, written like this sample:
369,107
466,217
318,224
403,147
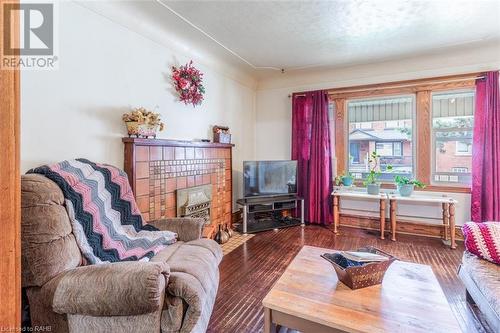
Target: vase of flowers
143,123
406,185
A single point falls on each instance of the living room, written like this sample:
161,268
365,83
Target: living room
248,166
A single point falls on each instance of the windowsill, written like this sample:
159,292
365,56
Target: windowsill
428,188
392,156
445,188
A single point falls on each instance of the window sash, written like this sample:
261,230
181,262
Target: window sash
392,147
411,113
399,149
451,178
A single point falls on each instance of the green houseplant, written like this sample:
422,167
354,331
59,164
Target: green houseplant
338,180
347,179
406,185
371,181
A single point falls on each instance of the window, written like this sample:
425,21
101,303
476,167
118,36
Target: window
391,124
354,151
383,125
452,124
463,148
389,149
423,129
397,149
394,124
384,149
363,125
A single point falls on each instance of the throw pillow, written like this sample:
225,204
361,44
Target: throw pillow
483,240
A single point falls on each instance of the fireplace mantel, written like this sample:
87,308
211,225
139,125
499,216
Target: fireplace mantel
176,143
157,168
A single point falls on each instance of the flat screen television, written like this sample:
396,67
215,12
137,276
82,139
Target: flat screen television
269,178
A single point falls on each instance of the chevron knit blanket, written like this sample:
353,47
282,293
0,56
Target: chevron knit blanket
483,240
105,218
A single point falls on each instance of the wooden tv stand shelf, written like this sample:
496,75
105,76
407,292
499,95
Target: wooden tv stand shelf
269,204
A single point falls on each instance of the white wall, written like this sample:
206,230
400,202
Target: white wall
105,70
274,117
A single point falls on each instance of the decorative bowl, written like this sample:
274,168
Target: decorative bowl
356,275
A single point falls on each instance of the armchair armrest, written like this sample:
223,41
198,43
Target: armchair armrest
187,229
115,289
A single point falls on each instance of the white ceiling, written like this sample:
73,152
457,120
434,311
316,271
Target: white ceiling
299,34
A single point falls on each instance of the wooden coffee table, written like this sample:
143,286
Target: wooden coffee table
308,297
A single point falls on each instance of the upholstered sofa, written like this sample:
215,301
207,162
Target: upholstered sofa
174,292
482,281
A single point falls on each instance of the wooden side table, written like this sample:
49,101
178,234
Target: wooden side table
381,197
448,207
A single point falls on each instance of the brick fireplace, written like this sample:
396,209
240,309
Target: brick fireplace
160,170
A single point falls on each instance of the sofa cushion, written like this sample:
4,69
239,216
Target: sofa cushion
48,244
483,240
486,276
165,254
194,278
113,289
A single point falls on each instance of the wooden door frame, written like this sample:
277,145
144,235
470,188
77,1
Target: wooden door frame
10,189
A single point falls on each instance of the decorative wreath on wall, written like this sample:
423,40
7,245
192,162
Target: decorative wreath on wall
188,81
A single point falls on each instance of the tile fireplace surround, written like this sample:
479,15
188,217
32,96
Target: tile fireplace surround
158,168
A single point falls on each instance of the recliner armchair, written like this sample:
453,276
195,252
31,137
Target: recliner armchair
173,292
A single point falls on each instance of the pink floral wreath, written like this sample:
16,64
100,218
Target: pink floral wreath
188,83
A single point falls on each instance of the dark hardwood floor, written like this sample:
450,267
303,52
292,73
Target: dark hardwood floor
249,272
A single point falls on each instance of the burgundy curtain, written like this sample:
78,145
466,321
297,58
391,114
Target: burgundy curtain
485,200
311,148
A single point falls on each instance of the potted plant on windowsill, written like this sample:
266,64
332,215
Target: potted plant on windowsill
371,182
346,179
406,185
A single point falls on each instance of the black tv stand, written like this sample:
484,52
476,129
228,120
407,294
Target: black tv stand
260,204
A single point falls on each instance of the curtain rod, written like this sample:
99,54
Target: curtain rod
398,86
